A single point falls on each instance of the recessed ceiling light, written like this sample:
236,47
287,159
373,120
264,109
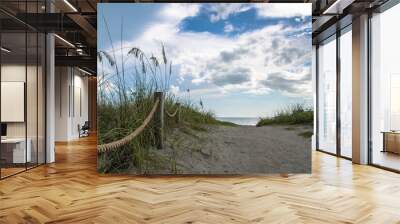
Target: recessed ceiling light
84,71
337,7
70,5
64,40
79,51
5,50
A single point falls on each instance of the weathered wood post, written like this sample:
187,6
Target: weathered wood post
159,120
178,113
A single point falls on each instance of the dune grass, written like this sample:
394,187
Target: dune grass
292,115
124,101
114,124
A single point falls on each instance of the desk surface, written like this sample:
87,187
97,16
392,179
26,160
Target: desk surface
13,140
390,132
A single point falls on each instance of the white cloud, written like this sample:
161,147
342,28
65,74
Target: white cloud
278,10
197,93
222,11
218,64
282,10
228,28
175,12
290,84
174,89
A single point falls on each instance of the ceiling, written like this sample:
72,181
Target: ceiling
75,22
330,15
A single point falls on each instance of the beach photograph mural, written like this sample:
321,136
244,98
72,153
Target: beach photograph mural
216,88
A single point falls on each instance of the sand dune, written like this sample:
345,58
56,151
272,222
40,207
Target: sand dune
239,150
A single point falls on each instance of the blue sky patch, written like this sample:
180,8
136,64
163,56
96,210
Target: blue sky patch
235,66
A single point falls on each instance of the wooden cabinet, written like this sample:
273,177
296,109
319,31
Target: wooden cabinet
391,142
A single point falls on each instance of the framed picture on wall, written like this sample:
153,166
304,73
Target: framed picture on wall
204,88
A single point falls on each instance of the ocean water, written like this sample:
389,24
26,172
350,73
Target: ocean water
240,120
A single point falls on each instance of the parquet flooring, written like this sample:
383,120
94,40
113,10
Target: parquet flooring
11,170
70,191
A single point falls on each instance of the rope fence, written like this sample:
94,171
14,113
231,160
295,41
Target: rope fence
172,115
125,140
157,115
176,114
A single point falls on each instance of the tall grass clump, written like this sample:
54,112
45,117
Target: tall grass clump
291,115
125,98
124,101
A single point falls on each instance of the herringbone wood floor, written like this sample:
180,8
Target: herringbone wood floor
70,191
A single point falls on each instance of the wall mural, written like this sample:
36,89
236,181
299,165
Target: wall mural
204,88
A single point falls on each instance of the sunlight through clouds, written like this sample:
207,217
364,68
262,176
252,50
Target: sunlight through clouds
248,49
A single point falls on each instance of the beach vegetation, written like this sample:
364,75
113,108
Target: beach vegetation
126,97
296,114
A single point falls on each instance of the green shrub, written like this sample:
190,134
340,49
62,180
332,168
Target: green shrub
294,114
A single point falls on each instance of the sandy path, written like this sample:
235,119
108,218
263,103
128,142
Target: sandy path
240,150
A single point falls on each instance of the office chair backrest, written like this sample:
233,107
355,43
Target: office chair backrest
86,125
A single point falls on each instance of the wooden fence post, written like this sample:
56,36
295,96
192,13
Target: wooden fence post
178,113
159,120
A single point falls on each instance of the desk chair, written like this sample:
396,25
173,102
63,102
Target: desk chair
84,130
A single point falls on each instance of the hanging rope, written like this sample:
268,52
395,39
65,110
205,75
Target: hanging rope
125,140
172,115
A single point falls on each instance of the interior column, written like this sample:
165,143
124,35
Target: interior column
360,90
50,92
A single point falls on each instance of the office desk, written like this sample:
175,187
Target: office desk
13,150
391,141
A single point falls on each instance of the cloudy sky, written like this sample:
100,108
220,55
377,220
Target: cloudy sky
241,60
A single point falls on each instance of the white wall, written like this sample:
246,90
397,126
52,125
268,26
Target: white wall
80,93
16,73
33,126
62,81
70,83
9,73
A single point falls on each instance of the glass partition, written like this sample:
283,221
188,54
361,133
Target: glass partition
327,95
346,93
31,98
385,89
22,88
13,94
